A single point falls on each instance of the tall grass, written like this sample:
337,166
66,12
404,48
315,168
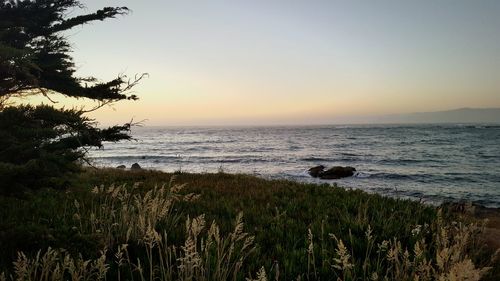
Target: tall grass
122,215
442,256
58,265
161,233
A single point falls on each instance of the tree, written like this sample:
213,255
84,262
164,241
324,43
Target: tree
42,145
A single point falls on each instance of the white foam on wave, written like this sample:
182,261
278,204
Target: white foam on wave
362,175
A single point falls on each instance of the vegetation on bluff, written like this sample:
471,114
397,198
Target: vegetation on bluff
145,225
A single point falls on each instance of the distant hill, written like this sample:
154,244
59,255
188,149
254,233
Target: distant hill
462,115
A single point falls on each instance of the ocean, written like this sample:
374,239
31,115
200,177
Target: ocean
431,163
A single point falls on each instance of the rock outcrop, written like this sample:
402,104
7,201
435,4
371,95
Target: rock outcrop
333,173
316,171
337,172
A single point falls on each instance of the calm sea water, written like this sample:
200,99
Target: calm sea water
433,163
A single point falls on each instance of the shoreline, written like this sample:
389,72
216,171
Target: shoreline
304,177
436,164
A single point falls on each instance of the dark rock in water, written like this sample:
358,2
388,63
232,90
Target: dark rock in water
337,172
333,173
135,166
316,171
121,167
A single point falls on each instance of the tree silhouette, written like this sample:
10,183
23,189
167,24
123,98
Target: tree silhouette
41,145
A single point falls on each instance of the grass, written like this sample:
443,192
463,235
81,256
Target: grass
141,225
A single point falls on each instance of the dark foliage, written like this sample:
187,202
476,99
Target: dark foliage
40,145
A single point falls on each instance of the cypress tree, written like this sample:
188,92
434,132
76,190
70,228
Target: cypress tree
42,145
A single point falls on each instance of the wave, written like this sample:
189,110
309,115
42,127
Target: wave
492,126
353,154
362,175
479,126
486,156
203,142
446,179
134,157
407,161
241,160
316,159
391,176
186,159
337,157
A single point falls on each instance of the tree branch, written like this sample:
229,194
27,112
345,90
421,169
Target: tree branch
107,12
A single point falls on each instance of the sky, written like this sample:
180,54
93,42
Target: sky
292,62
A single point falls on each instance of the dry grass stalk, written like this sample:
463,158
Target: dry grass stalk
445,258
261,275
58,265
123,214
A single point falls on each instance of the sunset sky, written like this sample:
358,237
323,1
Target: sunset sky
286,62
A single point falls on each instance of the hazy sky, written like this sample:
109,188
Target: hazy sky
267,62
